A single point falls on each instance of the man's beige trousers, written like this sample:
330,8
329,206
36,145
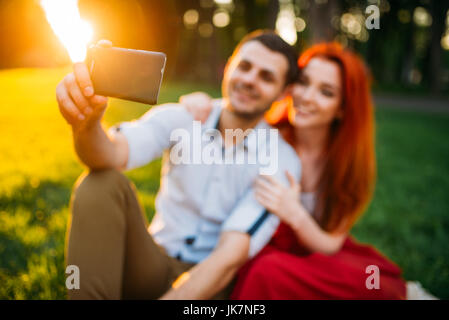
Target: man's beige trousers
108,241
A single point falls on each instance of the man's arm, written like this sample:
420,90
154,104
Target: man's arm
137,143
99,150
213,274
83,111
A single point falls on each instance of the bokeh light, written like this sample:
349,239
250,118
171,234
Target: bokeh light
445,42
353,24
223,1
221,18
191,18
285,23
422,17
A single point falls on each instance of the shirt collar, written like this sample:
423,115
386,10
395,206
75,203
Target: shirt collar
214,117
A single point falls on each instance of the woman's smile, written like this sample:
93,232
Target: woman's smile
304,111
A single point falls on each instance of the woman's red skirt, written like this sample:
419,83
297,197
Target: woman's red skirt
282,270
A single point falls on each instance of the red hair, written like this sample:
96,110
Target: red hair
348,179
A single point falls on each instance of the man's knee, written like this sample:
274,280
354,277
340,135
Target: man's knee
95,187
100,180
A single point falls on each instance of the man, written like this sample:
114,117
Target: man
207,221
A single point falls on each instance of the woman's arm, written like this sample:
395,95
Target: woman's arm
284,202
312,236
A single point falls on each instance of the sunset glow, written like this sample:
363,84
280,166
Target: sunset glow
65,20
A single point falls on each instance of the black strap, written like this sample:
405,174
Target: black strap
258,223
189,240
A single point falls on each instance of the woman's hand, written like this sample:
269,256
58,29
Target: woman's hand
279,200
199,104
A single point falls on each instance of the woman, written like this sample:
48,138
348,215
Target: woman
329,121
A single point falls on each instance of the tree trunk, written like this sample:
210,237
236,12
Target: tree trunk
320,17
438,11
273,10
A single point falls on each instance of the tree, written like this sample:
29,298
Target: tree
438,11
320,20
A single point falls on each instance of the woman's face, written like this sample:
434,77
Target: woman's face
317,95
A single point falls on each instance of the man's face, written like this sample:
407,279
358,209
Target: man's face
254,78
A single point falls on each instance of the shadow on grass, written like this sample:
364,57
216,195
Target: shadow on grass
28,224
43,198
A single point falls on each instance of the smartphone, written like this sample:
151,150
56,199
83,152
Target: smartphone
128,74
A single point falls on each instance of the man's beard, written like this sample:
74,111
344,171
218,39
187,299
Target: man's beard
244,115
247,115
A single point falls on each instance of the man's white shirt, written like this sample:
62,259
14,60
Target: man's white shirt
196,202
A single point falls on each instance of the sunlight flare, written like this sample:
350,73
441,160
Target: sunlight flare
65,20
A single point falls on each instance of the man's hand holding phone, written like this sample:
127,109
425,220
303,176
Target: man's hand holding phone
129,74
134,75
78,103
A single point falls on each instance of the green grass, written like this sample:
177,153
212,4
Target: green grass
408,219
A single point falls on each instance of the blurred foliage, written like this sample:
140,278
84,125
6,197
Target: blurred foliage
405,52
